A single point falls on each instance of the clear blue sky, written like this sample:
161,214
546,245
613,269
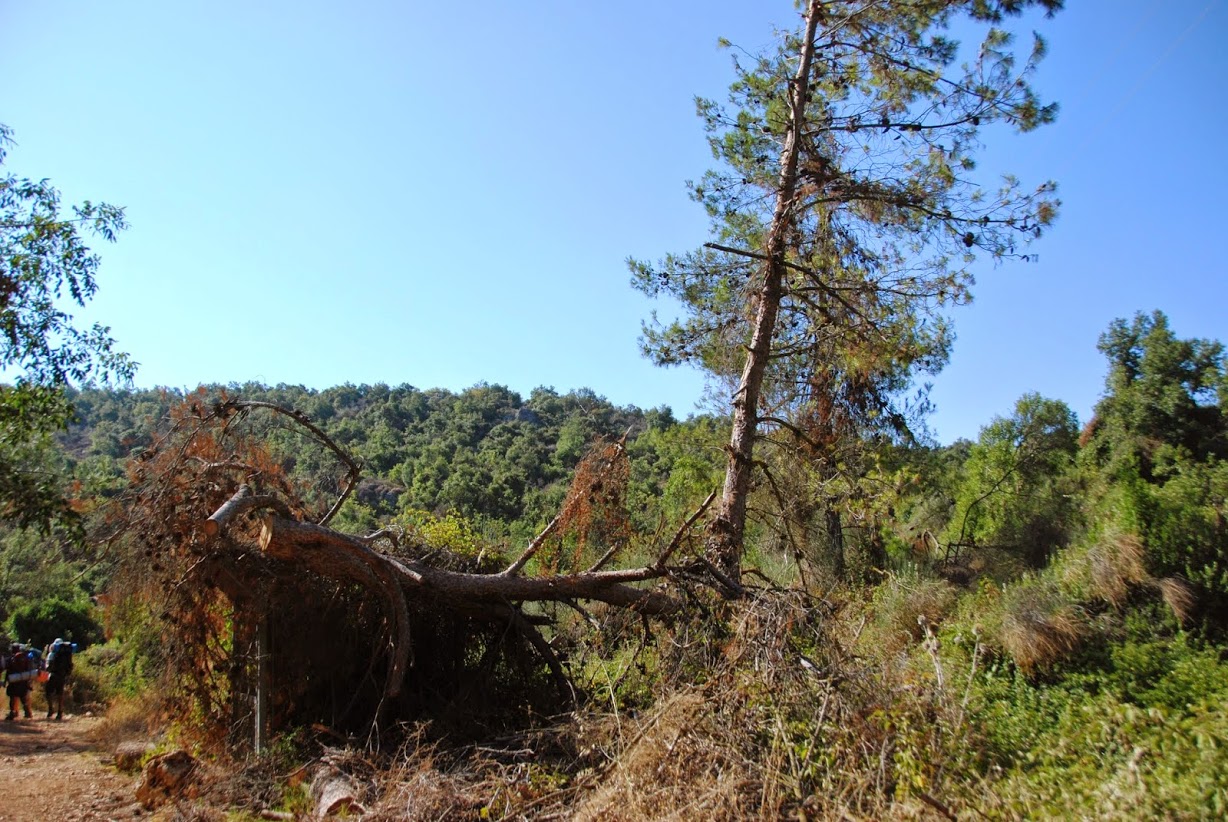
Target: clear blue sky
445,193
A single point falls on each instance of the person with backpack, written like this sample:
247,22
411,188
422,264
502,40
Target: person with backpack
59,666
20,671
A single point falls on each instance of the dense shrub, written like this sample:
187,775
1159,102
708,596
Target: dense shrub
43,621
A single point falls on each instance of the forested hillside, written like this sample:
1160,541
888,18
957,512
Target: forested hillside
486,454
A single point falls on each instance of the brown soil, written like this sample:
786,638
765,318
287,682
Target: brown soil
50,771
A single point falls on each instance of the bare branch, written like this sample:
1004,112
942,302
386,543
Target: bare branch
353,468
242,502
324,551
533,548
683,530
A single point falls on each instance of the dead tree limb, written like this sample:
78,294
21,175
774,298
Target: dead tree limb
243,501
340,556
533,548
402,585
683,531
324,551
229,510
353,469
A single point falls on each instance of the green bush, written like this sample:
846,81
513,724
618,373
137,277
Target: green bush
1142,735
43,621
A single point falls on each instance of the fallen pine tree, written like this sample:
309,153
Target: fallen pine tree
258,595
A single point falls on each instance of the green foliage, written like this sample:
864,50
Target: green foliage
674,466
133,656
486,454
1144,737
1015,492
844,221
1186,530
890,236
1159,445
49,619
43,255
33,569
43,262
1164,399
1181,521
1058,685
451,532
904,606
33,484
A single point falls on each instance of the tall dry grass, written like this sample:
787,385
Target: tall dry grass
759,710
129,719
1040,625
1180,597
1116,565
903,607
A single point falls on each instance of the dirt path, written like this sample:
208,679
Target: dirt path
50,772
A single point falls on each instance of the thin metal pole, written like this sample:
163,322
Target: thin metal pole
263,686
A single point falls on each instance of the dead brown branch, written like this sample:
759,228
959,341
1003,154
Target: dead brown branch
263,560
683,530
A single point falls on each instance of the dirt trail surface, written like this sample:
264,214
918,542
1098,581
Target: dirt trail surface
50,771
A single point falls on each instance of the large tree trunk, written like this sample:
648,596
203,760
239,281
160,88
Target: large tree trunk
727,530
341,556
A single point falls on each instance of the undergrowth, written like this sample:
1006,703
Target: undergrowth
902,703
790,707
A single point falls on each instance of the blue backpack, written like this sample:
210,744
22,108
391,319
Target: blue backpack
59,658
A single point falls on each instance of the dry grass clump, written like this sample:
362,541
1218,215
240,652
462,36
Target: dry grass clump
904,607
757,709
996,563
423,786
680,762
1116,565
784,723
704,749
1180,597
1039,625
422,792
128,719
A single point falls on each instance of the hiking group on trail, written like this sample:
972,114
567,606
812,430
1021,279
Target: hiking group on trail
23,665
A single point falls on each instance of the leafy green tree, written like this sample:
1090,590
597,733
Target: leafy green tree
29,573
1159,445
1164,398
32,481
845,215
45,262
1017,482
674,467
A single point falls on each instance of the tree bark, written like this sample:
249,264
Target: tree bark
234,507
727,530
334,793
835,538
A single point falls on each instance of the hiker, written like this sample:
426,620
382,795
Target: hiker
59,666
20,671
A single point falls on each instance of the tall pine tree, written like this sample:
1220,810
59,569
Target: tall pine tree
845,216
